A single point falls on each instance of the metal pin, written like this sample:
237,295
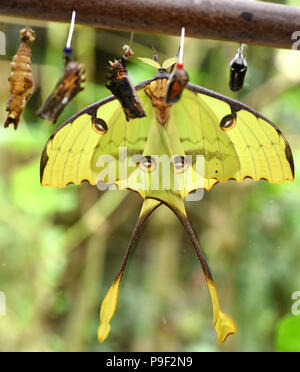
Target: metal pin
179,78
71,31
181,51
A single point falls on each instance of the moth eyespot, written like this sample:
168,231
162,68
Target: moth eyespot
147,164
99,125
228,122
180,164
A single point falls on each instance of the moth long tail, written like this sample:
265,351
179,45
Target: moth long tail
109,304
223,324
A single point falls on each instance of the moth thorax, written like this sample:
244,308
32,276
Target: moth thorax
156,90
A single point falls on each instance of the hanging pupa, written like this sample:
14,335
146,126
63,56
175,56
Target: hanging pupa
179,78
67,87
119,83
21,79
238,70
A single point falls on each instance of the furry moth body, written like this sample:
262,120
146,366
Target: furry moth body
21,79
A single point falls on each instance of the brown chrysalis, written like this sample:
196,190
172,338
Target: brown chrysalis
177,83
119,83
179,78
21,79
68,86
65,90
238,70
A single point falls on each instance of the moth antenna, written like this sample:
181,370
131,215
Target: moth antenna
155,54
174,66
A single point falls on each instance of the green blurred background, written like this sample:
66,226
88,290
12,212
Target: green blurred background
61,249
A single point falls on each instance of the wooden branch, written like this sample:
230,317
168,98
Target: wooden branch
232,20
